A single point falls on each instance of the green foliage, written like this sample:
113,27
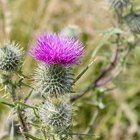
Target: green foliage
110,112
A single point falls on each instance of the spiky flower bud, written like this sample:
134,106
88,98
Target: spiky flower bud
53,80
71,31
133,21
58,115
10,57
118,4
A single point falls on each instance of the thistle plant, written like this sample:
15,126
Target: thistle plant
50,117
53,81
57,53
53,77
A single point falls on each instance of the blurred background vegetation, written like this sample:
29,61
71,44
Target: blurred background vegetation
117,116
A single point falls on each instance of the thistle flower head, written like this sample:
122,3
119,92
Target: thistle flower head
133,21
118,4
57,49
10,57
57,115
53,80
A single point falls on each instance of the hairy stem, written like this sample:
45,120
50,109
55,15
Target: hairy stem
93,120
102,79
23,129
32,137
99,81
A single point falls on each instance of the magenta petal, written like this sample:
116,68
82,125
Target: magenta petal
57,49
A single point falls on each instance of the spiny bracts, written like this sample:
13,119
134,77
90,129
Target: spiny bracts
10,57
56,115
53,80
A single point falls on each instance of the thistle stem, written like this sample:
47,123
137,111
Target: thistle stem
12,88
102,79
44,134
93,120
83,71
32,137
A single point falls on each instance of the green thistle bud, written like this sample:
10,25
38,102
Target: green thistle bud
53,80
133,21
10,57
119,4
58,114
71,31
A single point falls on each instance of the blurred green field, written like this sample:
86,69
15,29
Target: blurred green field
22,20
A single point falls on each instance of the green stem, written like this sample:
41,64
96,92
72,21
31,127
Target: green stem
23,124
93,120
28,106
27,85
8,104
35,125
44,134
31,136
83,71
12,88
28,96
56,137
23,104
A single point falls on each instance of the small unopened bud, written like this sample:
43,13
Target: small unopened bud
10,57
57,115
133,21
71,31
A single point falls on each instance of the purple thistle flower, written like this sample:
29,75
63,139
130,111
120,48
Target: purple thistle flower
57,49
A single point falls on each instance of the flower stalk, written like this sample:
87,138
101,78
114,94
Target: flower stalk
19,109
